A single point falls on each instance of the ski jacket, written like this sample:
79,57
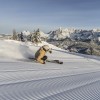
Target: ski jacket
41,53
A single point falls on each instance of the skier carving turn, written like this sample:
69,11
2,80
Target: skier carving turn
40,55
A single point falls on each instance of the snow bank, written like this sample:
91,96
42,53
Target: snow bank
20,50
14,49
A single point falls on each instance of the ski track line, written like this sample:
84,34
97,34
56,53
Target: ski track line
12,78
2,71
73,87
78,93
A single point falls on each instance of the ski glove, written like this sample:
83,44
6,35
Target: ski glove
50,50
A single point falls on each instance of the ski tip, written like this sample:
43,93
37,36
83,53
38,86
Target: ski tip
60,62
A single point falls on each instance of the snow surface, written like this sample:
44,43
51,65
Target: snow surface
20,79
26,33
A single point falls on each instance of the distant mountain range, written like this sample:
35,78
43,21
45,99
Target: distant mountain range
73,34
80,41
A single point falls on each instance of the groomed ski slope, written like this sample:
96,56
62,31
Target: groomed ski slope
20,79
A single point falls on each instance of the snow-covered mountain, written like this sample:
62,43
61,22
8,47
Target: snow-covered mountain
82,35
42,34
74,34
61,33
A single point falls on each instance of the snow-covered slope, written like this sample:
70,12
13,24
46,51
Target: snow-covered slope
20,79
20,50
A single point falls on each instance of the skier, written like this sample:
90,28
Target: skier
40,55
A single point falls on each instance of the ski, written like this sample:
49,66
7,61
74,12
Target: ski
51,61
55,61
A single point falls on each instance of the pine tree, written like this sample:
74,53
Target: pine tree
14,34
36,38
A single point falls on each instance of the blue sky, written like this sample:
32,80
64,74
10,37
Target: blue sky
48,14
